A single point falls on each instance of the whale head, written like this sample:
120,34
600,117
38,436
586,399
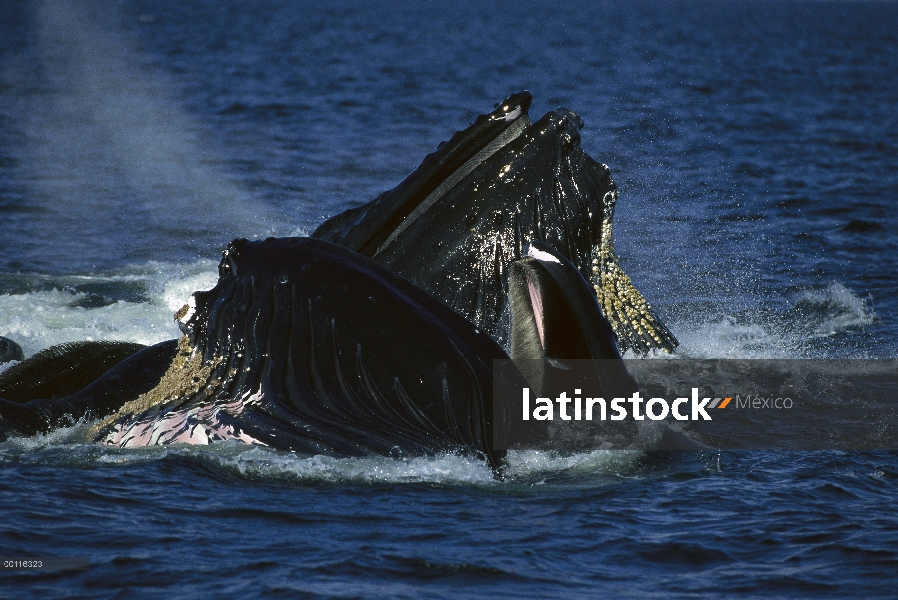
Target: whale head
454,225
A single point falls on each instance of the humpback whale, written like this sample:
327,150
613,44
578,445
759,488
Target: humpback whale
65,383
455,224
63,369
377,334
304,345
9,350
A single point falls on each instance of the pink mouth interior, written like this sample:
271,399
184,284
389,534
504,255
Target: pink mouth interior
536,302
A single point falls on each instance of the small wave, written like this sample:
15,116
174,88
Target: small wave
38,442
797,330
66,447
832,310
524,464
731,337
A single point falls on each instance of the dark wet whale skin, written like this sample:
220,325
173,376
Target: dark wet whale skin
9,350
538,185
318,350
306,346
366,228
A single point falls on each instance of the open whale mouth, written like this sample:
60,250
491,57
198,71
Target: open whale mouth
554,313
556,318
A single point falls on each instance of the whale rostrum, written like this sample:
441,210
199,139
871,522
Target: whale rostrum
455,223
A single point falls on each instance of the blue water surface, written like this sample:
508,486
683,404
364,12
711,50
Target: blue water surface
755,145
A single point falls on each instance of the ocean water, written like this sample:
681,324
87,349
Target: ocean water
755,145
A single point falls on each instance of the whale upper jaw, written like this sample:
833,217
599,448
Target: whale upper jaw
370,228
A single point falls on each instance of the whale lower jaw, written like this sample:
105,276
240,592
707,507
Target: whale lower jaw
305,346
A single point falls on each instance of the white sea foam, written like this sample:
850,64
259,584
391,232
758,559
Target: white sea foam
40,319
444,469
726,337
838,307
65,446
